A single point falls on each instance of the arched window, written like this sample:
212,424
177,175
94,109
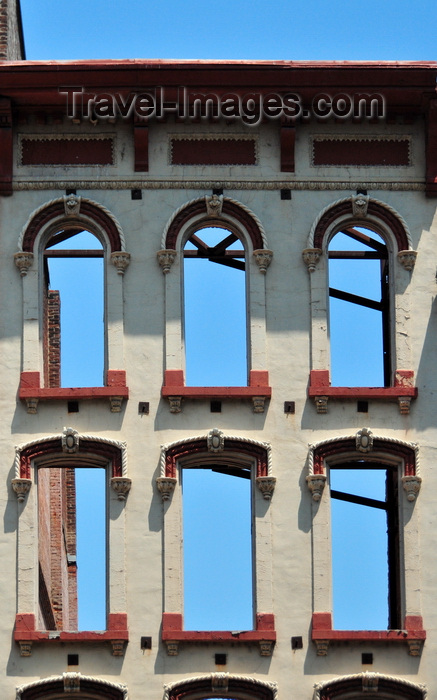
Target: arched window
358,347
215,315
218,476
369,685
74,309
65,251
217,685
72,685
222,246
359,526
69,518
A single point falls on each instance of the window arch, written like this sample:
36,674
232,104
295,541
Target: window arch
53,226
369,685
72,685
227,457
357,456
223,685
370,233
236,222
49,529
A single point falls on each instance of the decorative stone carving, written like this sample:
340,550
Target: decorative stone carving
216,440
311,257
360,202
265,648
116,403
404,405
219,682
166,485
407,259
172,648
70,441
411,486
23,261
214,205
71,682
117,646
263,259
415,647
120,259
316,484
166,259
21,488
71,205
32,405
25,648
175,404
370,682
121,485
266,485
322,646
364,440
258,403
321,404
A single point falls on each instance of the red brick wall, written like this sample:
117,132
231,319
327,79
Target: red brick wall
52,339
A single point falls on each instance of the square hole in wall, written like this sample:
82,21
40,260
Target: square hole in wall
73,407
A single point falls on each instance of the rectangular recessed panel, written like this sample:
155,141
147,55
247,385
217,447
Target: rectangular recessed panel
388,152
213,151
67,151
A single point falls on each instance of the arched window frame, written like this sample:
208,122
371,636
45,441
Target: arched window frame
227,213
68,212
384,450
243,451
77,449
221,685
72,685
374,685
360,211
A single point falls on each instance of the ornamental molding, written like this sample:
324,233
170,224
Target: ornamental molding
70,441
360,203
214,205
215,440
71,433
263,258
213,137
364,440
303,185
369,682
166,259
121,260
188,204
23,262
71,205
62,200
41,138
407,259
220,681
372,200
71,682
311,257
359,138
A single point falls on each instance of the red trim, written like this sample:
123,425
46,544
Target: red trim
25,631
320,386
141,147
322,629
30,388
174,386
172,631
343,212
229,209
357,152
288,139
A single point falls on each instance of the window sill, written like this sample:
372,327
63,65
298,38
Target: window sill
322,634
174,390
264,634
403,390
26,635
31,391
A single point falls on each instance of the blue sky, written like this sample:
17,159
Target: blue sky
239,29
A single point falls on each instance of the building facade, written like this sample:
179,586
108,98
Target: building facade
256,168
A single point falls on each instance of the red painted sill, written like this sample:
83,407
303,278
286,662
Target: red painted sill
322,630
25,631
172,631
174,385
30,388
403,387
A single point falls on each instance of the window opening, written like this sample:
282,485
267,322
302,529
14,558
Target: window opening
359,309
74,309
217,534
365,546
72,548
215,309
